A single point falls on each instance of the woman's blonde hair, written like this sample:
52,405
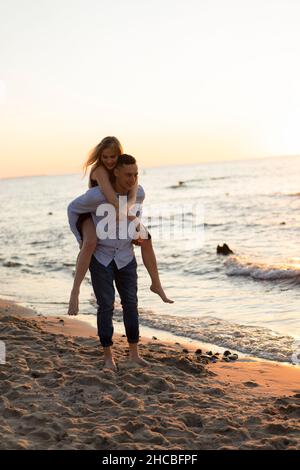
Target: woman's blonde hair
95,155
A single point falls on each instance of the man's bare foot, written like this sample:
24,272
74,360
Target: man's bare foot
110,364
159,291
73,303
137,360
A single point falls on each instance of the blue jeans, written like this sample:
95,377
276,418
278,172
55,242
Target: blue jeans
103,284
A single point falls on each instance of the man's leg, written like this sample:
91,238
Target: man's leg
102,281
126,282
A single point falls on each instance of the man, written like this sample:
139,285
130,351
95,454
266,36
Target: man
113,260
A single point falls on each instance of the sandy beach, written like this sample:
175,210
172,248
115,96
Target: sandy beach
55,394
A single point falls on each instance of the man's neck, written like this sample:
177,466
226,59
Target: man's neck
119,189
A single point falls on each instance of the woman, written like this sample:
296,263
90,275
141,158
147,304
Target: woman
101,162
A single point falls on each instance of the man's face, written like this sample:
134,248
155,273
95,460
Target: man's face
126,176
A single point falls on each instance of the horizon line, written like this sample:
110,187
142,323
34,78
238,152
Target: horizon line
161,166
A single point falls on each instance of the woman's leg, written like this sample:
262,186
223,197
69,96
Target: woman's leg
89,242
150,263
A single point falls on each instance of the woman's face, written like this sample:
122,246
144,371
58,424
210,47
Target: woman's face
109,158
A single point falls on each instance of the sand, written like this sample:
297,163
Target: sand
56,395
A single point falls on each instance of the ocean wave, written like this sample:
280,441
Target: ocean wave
281,194
180,184
38,267
206,225
38,242
11,264
183,184
212,178
253,340
242,266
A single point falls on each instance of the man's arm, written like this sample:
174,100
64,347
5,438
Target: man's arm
87,202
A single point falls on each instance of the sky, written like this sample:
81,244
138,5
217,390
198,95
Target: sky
177,81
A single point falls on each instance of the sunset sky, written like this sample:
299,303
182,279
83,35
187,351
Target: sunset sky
176,81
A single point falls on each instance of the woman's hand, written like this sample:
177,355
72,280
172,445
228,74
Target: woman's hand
138,242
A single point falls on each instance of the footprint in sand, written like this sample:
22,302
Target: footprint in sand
250,384
160,385
192,420
277,428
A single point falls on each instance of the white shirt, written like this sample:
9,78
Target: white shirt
108,249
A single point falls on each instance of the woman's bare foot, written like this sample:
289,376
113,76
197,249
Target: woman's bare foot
73,303
157,289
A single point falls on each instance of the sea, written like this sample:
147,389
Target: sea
247,301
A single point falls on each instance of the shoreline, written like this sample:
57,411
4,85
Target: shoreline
55,394
89,320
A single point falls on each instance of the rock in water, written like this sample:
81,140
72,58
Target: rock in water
233,357
226,353
224,250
